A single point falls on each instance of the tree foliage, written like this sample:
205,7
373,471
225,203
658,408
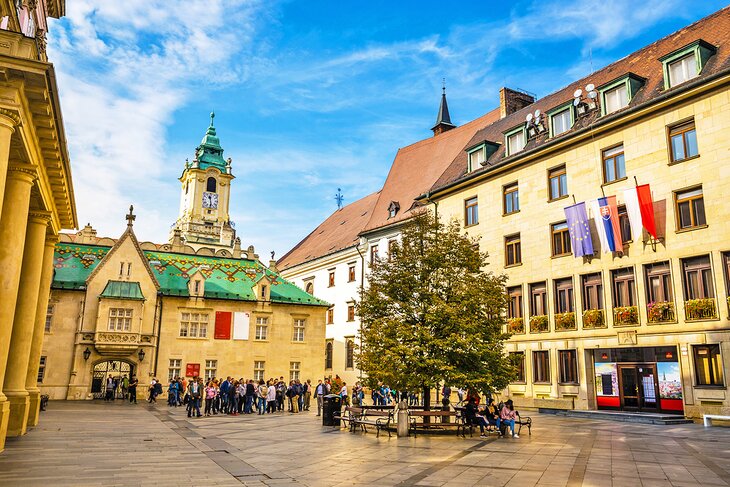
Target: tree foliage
431,312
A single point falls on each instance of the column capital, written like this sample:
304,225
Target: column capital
22,171
9,118
41,217
52,239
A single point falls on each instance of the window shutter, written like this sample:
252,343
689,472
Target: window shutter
222,325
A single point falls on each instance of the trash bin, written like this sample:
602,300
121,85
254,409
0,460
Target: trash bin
331,410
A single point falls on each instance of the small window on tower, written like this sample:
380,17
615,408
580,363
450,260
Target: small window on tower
211,185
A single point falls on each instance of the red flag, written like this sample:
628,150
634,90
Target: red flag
647,209
222,325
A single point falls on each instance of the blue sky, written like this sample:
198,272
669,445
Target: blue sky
309,96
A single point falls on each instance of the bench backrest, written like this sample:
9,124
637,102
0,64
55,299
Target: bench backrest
353,410
375,412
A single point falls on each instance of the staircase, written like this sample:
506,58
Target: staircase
622,416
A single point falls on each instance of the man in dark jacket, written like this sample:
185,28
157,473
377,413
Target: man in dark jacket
224,394
250,397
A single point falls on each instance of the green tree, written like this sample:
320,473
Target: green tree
431,312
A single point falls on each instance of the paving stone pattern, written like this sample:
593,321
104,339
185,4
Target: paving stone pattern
89,444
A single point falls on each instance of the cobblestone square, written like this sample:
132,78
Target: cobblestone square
92,443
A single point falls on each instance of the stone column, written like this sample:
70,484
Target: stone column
8,121
39,329
13,223
24,321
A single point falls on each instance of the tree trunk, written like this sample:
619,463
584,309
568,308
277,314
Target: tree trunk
426,403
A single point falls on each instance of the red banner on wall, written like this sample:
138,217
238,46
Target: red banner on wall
192,370
222,325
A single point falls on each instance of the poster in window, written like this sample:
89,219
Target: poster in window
670,384
607,379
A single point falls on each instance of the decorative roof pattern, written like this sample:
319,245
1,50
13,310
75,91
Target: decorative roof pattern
226,278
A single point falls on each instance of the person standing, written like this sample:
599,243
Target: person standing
210,396
109,389
125,386
194,394
261,393
133,390
343,394
224,394
271,399
307,394
320,391
250,397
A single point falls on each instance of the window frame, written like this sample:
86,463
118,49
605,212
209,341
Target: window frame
541,288
515,242
261,324
515,292
350,312
210,365
557,172
564,284
682,128
592,286
331,278
631,82
564,237
121,323
718,356
42,364
545,376
568,373
512,191
702,51
482,148
630,286
605,158
555,112
259,370
520,376
331,315
692,265
471,209
511,133
692,213
328,355
201,332
295,370
351,273
300,325
50,310
174,364
349,353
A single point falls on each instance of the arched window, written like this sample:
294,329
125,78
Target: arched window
328,356
309,288
350,355
211,185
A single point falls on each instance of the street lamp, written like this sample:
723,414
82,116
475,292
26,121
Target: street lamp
87,353
141,354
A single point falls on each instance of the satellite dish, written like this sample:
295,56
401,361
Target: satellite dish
528,118
590,87
537,113
576,102
592,94
577,93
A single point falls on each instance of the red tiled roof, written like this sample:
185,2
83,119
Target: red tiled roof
714,29
338,232
417,166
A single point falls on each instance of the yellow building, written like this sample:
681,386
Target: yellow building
123,307
641,326
36,201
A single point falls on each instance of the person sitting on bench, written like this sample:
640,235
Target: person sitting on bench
473,417
491,413
508,416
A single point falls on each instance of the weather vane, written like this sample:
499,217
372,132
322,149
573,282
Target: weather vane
339,198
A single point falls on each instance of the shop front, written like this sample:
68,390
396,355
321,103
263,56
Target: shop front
638,379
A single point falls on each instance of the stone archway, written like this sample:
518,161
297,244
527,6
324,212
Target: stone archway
117,369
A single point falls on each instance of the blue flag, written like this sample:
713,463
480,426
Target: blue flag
580,232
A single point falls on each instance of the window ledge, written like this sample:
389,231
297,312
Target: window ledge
626,325
690,229
541,383
260,341
710,387
519,383
507,266
615,181
680,161
561,255
471,225
568,383
558,198
510,213
299,343
193,338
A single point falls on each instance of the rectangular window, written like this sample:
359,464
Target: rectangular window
258,370
262,328
561,122
560,239
624,293
350,312
331,278
660,302
210,369
49,318
476,158
471,212
349,354
683,141
174,370
564,295
194,325
592,291
538,299
624,224
518,359
541,366
568,360
558,183
690,208
683,69
373,254
616,98
120,319
351,273
515,142
330,316
698,281
514,308
614,165
294,369
299,330
391,247
708,365
512,250
42,369
328,355
511,199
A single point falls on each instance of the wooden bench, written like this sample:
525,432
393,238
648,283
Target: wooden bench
351,414
707,418
414,424
373,417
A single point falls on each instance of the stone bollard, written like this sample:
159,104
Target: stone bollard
402,419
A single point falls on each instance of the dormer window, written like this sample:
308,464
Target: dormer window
476,158
516,140
393,209
561,120
686,63
618,93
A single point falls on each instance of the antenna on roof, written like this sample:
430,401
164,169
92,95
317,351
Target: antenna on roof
339,198
585,104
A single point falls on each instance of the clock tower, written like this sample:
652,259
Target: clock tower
204,196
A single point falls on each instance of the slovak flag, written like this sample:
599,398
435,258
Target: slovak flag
605,213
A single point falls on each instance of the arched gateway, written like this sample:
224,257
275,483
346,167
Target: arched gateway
117,369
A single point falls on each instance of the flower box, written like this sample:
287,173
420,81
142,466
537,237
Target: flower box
700,309
626,315
565,321
660,312
539,324
515,325
593,318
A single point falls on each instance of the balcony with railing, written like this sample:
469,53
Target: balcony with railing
625,316
661,312
594,318
700,309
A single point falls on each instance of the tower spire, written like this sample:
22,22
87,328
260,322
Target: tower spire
443,119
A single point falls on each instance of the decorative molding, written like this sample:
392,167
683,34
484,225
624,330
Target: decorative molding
23,170
627,337
113,337
40,216
11,115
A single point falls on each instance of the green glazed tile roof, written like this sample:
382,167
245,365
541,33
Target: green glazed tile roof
123,290
209,152
225,278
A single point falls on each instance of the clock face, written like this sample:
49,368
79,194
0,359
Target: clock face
210,200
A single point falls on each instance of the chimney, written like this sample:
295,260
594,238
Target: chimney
511,101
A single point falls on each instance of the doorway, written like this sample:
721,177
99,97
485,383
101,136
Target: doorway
117,369
639,387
